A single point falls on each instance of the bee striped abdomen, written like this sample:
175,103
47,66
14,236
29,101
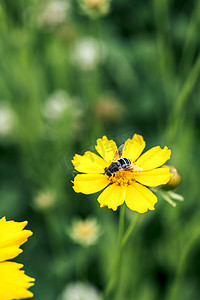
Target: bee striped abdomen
118,165
124,162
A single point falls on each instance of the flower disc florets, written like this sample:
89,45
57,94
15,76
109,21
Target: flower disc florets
125,177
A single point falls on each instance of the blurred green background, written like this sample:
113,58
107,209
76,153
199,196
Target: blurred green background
67,79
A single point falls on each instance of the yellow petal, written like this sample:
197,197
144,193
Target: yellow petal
12,236
139,198
14,283
106,148
134,147
113,196
90,183
154,177
153,158
89,163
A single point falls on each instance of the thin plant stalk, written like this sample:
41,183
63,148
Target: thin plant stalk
130,229
181,99
55,240
164,46
123,238
190,44
184,258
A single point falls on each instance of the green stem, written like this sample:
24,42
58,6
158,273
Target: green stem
115,272
188,86
190,42
111,280
129,230
164,46
55,240
181,100
175,287
121,223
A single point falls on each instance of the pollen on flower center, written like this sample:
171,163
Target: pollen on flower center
125,177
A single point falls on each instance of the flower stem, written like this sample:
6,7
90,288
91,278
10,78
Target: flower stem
181,269
121,223
181,100
123,238
130,229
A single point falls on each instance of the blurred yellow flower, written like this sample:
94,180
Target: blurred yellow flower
125,184
14,283
85,232
95,8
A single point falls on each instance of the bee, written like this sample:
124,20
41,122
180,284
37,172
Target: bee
118,164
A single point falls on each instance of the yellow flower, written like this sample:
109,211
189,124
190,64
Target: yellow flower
14,283
95,8
127,186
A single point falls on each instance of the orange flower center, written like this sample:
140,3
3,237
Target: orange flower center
125,177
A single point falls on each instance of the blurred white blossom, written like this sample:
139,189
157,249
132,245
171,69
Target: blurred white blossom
87,53
44,200
63,114
85,232
7,123
56,104
80,291
54,13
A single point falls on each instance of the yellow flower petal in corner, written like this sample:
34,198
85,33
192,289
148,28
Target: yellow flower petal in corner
113,196
89,163
90,183
13,282
153,158
134,147
106,148
12,237
154,177
9,252
140,198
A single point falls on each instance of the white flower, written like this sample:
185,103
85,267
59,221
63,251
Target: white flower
44,200
86,53
85,232
56,105
63,115
54,13
7,122
79,291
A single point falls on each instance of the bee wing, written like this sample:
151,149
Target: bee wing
119,152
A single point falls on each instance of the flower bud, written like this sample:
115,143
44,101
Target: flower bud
175,179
